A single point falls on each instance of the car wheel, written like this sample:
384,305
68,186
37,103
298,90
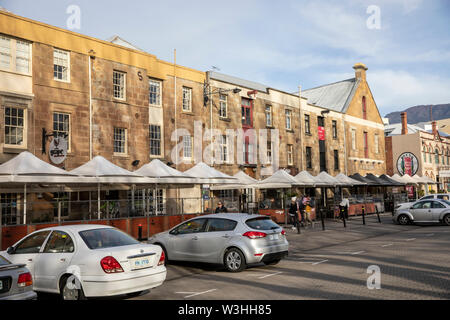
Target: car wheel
446,220
234,260
72,289
272,262
404,219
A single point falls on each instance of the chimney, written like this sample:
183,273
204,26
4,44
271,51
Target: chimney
360,71
435,130
404,123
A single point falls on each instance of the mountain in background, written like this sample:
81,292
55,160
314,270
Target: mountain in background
421,114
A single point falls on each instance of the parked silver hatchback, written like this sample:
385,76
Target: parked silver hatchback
424,211
232,239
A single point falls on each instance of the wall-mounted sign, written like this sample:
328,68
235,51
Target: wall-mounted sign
58,150
407,163
321,133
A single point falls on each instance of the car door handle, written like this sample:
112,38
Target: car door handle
62,260
195,238
226,236
30,260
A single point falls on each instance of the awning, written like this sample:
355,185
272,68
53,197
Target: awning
328,180
377,181
360,178
304,178
348,181
279,180
244,182
209,175
391,182
165,174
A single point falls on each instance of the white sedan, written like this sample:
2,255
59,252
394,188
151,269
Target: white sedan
80,261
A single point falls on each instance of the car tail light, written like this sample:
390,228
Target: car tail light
255,234
283,232
110,265
162,258
25,280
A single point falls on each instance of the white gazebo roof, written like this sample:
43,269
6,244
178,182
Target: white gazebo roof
27,168
328,180
405,179
306,179
107,172
423,180
165,174
348,181
209,175
244,181
279,180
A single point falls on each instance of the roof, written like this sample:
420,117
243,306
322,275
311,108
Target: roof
122,42
235,216
396,129
238,81
334,96
78,227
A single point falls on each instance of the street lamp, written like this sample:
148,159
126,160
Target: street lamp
207,92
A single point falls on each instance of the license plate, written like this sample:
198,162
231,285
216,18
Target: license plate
141,263
274,236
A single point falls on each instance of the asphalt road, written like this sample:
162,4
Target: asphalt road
414,262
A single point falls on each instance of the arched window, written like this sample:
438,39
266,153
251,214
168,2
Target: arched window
436,156
429,155
424,154
364,108
448,157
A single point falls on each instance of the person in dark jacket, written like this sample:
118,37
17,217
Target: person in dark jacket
294,211
221,208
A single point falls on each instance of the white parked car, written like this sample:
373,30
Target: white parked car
425,211
80,261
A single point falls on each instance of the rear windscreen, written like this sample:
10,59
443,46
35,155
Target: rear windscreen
262,224
106,238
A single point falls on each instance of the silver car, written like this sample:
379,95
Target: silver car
424,211
407,205
232,239
15,281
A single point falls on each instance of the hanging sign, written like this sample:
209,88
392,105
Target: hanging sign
321,133
407,163
58,150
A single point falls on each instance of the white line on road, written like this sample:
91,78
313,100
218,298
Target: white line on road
315,264
193,294
269,275
387,245
412,239
430,235
355,253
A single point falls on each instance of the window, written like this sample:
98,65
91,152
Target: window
154,92
290,154
119,83
268,116
366,145
220,225
61,65
15,126
246,110
9,208
32,244
309,157
226,194
264,223
187,147
334,127
193,226
248,150
424,151
353,139
364,108
120,140
59,242
223,144
63,198
106,238
288,119
307,124
377,146
155,140
15,55
156,201
429,155
223,106
438,205
436,157
336,160
61,126
187,99
269,152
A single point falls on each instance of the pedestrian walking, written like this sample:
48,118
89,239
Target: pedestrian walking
343,208
294,211
308,212
221,208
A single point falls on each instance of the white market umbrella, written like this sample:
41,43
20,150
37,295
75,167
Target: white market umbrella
244,181
164,174
306,179
279,180
209,175
328,180
348,181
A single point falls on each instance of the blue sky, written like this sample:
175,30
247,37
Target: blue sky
283,43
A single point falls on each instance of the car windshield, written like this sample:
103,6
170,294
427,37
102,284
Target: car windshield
106,238
262,223
3,261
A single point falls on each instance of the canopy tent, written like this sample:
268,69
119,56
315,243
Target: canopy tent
407,179
377,182
423,180
326,180
208,175
279,180
347,181
390,181
360,178
164,174
244,181
304,178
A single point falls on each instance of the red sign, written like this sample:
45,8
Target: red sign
321,133
408,165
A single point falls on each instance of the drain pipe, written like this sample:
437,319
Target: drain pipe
91,57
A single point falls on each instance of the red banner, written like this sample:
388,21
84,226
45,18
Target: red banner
408,165
321,133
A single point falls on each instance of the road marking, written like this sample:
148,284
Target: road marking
430,235
315,264
355,253
387,245
412,239
193,294
269,275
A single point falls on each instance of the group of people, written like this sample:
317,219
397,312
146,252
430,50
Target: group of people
300,212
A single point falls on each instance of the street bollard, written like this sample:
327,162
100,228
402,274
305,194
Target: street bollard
140,232
364,215
322,218
343,217
378,214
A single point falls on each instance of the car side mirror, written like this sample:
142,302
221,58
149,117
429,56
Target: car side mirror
174,232
10,250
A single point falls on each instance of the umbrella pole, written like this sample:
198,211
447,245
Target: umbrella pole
25,204
98,201
155,201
